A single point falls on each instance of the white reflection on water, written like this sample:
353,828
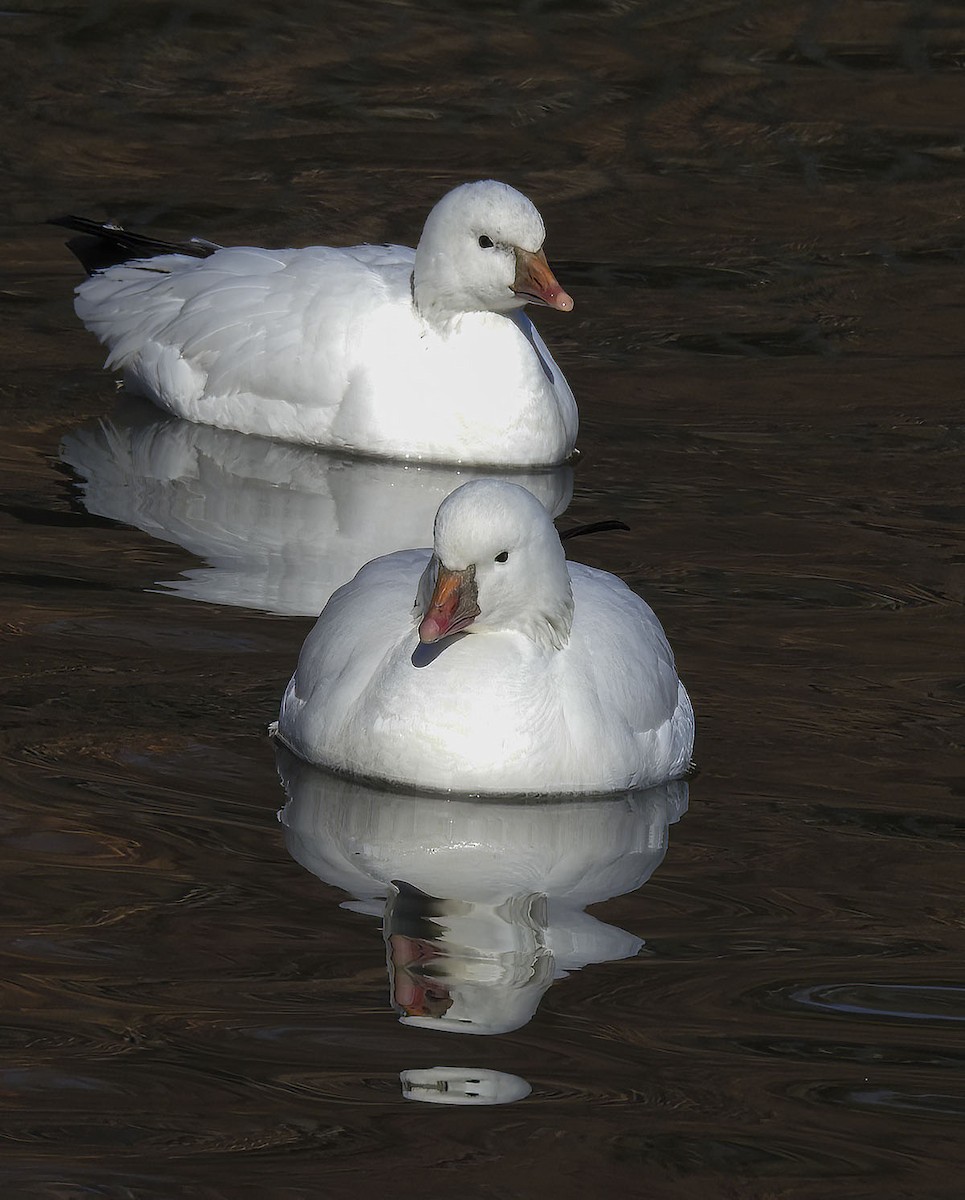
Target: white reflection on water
462,1085
482,901
280,526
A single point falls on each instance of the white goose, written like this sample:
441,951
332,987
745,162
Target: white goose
417,354
563,680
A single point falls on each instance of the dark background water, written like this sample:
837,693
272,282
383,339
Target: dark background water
759,211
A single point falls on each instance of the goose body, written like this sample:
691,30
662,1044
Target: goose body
419,354
524,673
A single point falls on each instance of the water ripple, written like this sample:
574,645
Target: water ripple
912,1103
927,1003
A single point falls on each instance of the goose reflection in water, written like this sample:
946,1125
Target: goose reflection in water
462,1085
280,526
482,901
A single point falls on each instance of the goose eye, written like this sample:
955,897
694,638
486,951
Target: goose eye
485,242
502,556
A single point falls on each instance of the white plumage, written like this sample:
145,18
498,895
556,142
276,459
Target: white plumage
563,680
379,350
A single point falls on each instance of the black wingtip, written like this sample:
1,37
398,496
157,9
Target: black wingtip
105,244
593,527
83,224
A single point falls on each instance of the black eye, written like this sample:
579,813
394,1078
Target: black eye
502,556
485,242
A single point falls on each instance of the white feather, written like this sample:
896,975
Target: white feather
597,707
376,349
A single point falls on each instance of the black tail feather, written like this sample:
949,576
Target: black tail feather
105,245
593,527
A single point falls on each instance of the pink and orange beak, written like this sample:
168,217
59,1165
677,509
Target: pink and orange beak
453,605
536,282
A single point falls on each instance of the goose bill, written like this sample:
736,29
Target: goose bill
453,605
536,282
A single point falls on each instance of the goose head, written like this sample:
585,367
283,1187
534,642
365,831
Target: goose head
497,566
481,251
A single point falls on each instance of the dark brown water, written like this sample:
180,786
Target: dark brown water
759,211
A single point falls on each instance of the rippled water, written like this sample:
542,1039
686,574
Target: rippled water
757,208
